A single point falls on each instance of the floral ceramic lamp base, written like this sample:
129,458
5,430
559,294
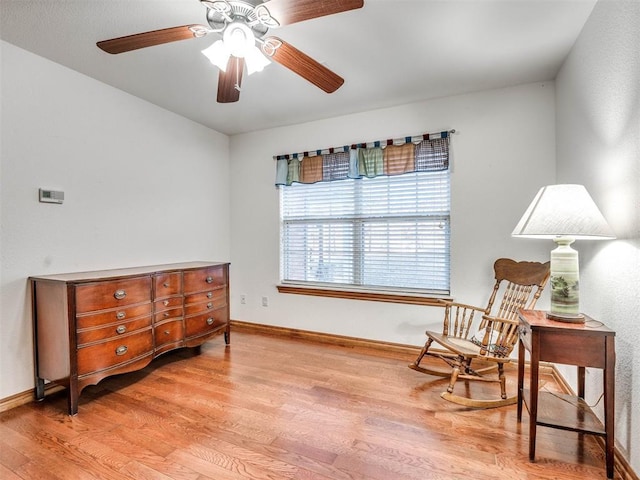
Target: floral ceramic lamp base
565,292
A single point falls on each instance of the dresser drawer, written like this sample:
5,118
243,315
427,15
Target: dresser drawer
114,352
195,308
167,285
169,332
203,279
112,294
114,330
167,304
217,297
112,316
204,323
168,314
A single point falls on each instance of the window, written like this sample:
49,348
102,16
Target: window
387,232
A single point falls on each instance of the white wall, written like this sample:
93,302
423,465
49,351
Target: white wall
503,152
598,145
142,186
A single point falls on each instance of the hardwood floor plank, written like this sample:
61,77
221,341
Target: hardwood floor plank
250,464
53,456
100,452
140,471
306,463
281,408
34,471
305,450
7,474
205,467
10,457
127,439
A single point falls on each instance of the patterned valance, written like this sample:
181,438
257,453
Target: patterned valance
428,152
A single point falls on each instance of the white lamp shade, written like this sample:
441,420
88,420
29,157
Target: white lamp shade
563,211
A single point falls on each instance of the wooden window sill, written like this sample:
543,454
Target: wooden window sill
364,295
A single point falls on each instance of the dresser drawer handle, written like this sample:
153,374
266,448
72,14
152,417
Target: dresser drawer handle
121,329
209,279
166,314
209,305
121,350
210,295
165,303
165,284
120,315
167,332
119,294
209,321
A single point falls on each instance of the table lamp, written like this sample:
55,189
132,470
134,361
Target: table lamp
564,213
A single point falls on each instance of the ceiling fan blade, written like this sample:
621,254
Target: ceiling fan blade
287,12
229,82
155,37
298,62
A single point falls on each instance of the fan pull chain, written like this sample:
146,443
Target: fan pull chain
237,85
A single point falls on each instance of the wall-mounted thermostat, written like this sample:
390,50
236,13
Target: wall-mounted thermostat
51,196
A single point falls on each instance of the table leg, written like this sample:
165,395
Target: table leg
581,380
533,395
609,402
39,390
73,395
520,378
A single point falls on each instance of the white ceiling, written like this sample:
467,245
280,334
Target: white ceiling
390,52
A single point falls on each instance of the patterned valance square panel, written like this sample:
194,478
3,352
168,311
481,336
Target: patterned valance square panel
428,152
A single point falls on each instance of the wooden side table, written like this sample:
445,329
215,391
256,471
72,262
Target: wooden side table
585,345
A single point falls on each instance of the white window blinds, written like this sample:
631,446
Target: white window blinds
387,232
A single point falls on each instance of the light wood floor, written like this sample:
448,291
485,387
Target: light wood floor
279,408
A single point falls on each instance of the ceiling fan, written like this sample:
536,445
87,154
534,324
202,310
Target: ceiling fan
244,27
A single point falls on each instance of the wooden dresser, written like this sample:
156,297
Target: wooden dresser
90,325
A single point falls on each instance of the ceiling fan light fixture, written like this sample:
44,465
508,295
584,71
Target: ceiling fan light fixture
239,39
218,54
255,60
244,25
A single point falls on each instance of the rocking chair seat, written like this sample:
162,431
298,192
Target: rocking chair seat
466,348
459,346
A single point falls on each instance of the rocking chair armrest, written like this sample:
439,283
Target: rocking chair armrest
449,304
491,318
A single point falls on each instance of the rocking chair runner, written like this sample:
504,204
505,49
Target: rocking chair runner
493,339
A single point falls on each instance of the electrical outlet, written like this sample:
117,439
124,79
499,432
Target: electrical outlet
243,299
265,301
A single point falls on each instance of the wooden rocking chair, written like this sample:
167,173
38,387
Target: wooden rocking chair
493,339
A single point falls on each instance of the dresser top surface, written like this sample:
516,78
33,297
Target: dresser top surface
124,272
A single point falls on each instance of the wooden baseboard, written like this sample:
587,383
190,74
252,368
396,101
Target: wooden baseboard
326,338
560,380
25,397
